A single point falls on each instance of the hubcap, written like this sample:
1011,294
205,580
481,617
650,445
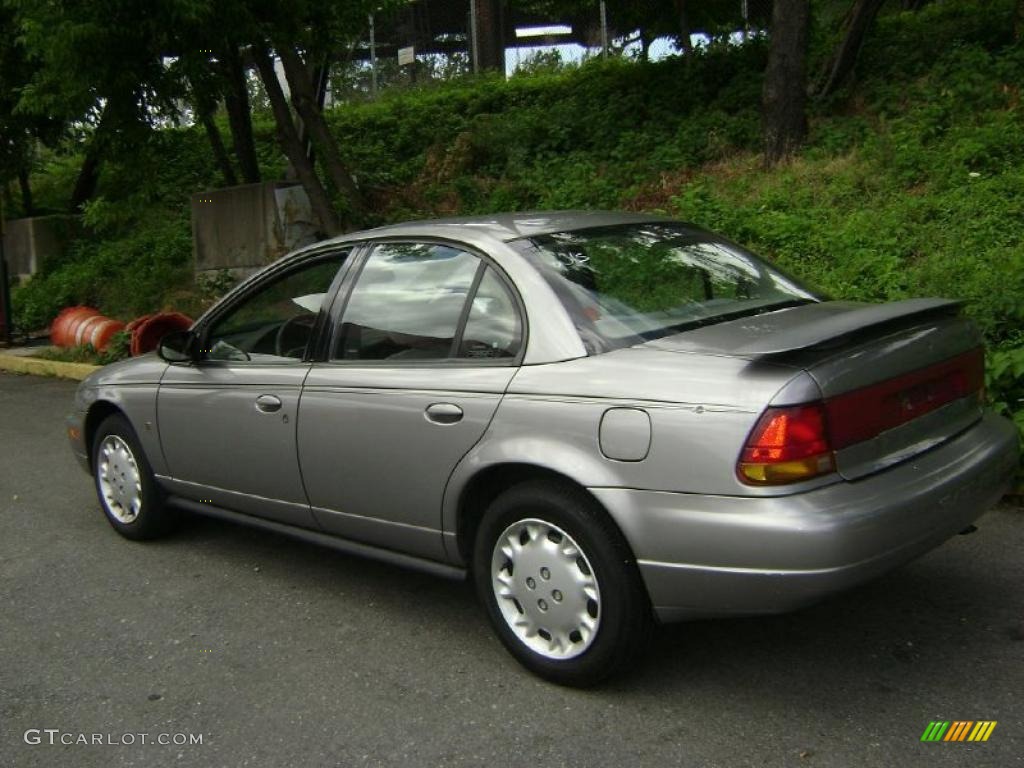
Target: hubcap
119,479
546,589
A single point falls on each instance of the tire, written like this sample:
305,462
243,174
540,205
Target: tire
136,509
568,603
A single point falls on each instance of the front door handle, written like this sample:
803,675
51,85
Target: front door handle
444,413
268,403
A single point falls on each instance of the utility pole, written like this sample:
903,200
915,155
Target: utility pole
604,28
474,37
373,58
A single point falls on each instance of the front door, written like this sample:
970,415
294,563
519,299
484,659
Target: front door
423,351
227,422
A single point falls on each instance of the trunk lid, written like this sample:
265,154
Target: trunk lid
896,379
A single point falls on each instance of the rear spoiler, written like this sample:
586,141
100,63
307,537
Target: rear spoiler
840,326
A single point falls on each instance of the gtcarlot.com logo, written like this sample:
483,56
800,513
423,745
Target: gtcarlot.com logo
53,736
958,730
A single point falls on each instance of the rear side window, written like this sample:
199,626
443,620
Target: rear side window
424,301
493,329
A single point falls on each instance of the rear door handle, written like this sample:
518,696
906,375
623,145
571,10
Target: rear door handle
444,413
268,403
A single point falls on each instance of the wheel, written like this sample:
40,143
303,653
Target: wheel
128,493
560,584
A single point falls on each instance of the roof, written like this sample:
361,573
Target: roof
507,226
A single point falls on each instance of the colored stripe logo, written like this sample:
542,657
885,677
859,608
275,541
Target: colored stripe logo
958,730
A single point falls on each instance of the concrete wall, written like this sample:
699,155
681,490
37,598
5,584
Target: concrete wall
30,243
246,227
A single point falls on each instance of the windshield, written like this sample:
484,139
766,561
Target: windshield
627,284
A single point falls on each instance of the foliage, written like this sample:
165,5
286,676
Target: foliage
119,348
1004,382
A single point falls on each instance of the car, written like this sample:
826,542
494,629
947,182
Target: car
606,420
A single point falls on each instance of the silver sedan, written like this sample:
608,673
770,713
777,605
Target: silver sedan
606,419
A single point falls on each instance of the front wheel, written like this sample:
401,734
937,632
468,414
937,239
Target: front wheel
127,490
559,584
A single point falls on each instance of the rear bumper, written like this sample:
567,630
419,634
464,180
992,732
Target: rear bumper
717,555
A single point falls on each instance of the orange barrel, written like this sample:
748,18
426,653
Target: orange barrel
58,329
100,331
133,324
73,325
147,334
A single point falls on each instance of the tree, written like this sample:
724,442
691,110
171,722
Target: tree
305,34
683,15
304,98
109,78
236,104
288,138
854,29
785,88
17,132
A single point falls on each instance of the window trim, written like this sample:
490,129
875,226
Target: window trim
340,302
260,281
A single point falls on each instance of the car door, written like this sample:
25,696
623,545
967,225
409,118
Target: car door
227,421
424,346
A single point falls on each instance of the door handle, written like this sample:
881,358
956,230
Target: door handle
444,413
268,403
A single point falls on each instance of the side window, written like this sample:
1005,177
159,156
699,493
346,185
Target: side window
275,324
407,303
493,329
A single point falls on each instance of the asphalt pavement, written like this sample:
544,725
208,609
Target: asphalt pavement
279,653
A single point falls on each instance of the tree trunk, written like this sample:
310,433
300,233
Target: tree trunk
491,34
288,137
683,15
89,174
236,102
785,86
205,106
304,97
855,28
27,208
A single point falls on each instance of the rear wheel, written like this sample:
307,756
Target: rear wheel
559,584
127,490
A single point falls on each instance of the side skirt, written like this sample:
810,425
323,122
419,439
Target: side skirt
322,539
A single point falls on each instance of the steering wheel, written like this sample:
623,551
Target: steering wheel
303,320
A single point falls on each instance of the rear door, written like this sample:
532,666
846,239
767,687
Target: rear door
227,421
424,346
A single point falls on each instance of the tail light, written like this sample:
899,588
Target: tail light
787,444
797,442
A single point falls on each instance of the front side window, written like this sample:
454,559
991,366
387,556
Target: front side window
626,284
426,301
275,324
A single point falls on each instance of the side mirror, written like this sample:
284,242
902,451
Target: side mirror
177,347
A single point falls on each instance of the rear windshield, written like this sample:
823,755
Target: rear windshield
624,285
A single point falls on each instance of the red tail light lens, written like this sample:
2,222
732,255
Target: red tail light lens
787,444
865,413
